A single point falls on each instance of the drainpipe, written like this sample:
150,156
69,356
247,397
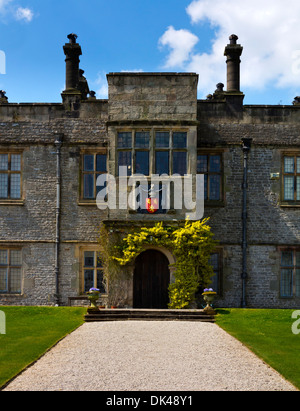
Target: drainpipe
246,150
58,144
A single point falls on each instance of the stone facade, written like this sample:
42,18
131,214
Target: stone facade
36,225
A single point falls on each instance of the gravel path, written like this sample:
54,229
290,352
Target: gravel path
149,356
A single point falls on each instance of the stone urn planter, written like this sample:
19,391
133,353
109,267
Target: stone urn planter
209,295
93,295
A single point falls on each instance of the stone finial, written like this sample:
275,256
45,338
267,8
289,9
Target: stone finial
220,87
296,101
233,39
72,38
3,98
92,94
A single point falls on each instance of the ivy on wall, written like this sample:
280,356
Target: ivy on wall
191,244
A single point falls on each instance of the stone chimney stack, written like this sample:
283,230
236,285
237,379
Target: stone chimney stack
72,51
233,52
233,96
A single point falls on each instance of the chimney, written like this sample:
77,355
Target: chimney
234,97
72,51
233,52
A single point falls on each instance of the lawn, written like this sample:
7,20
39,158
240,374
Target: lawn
30,332
268,333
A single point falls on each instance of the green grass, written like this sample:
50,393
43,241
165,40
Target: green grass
268,333
30,332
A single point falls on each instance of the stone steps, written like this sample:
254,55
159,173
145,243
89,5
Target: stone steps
148,315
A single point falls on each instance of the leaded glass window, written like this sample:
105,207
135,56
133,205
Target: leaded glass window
10,176
10,271
290,274
93,165
152,152
93,271
291,178
211,166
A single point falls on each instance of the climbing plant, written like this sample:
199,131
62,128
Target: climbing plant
191,244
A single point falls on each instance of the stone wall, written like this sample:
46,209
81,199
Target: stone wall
150,100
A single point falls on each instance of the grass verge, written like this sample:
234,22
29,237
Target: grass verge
30,332
268,333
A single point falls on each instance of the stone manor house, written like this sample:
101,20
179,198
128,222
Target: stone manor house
152,123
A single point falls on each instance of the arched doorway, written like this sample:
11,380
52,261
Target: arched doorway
151,280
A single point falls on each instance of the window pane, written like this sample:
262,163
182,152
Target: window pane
15,257
3,257
162,139
15,186
88,280
3,280
3,162
99,260
142,139
288,188
3,186
162,162
287,259
89,259
15,280
179,140
101,163
214,187
89,162
125,140
15,162
99,187
298,188
100,284
214,261
289,164
179,163
215,164
286,287
298,283
125,160
88,186
298,259
202,164
298,165
142,162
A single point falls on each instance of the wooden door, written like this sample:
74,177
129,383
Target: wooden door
151,280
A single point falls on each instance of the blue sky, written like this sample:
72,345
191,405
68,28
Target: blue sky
151,35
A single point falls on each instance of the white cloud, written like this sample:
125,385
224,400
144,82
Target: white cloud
101,86
268,31
181,43
24,14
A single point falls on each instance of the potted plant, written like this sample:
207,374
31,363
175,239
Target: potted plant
209,295
93,295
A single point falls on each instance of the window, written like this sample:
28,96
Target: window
10,176
148,152
92,271
290,273
10,271
170,153
211,166
291,178
93,165
216,263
